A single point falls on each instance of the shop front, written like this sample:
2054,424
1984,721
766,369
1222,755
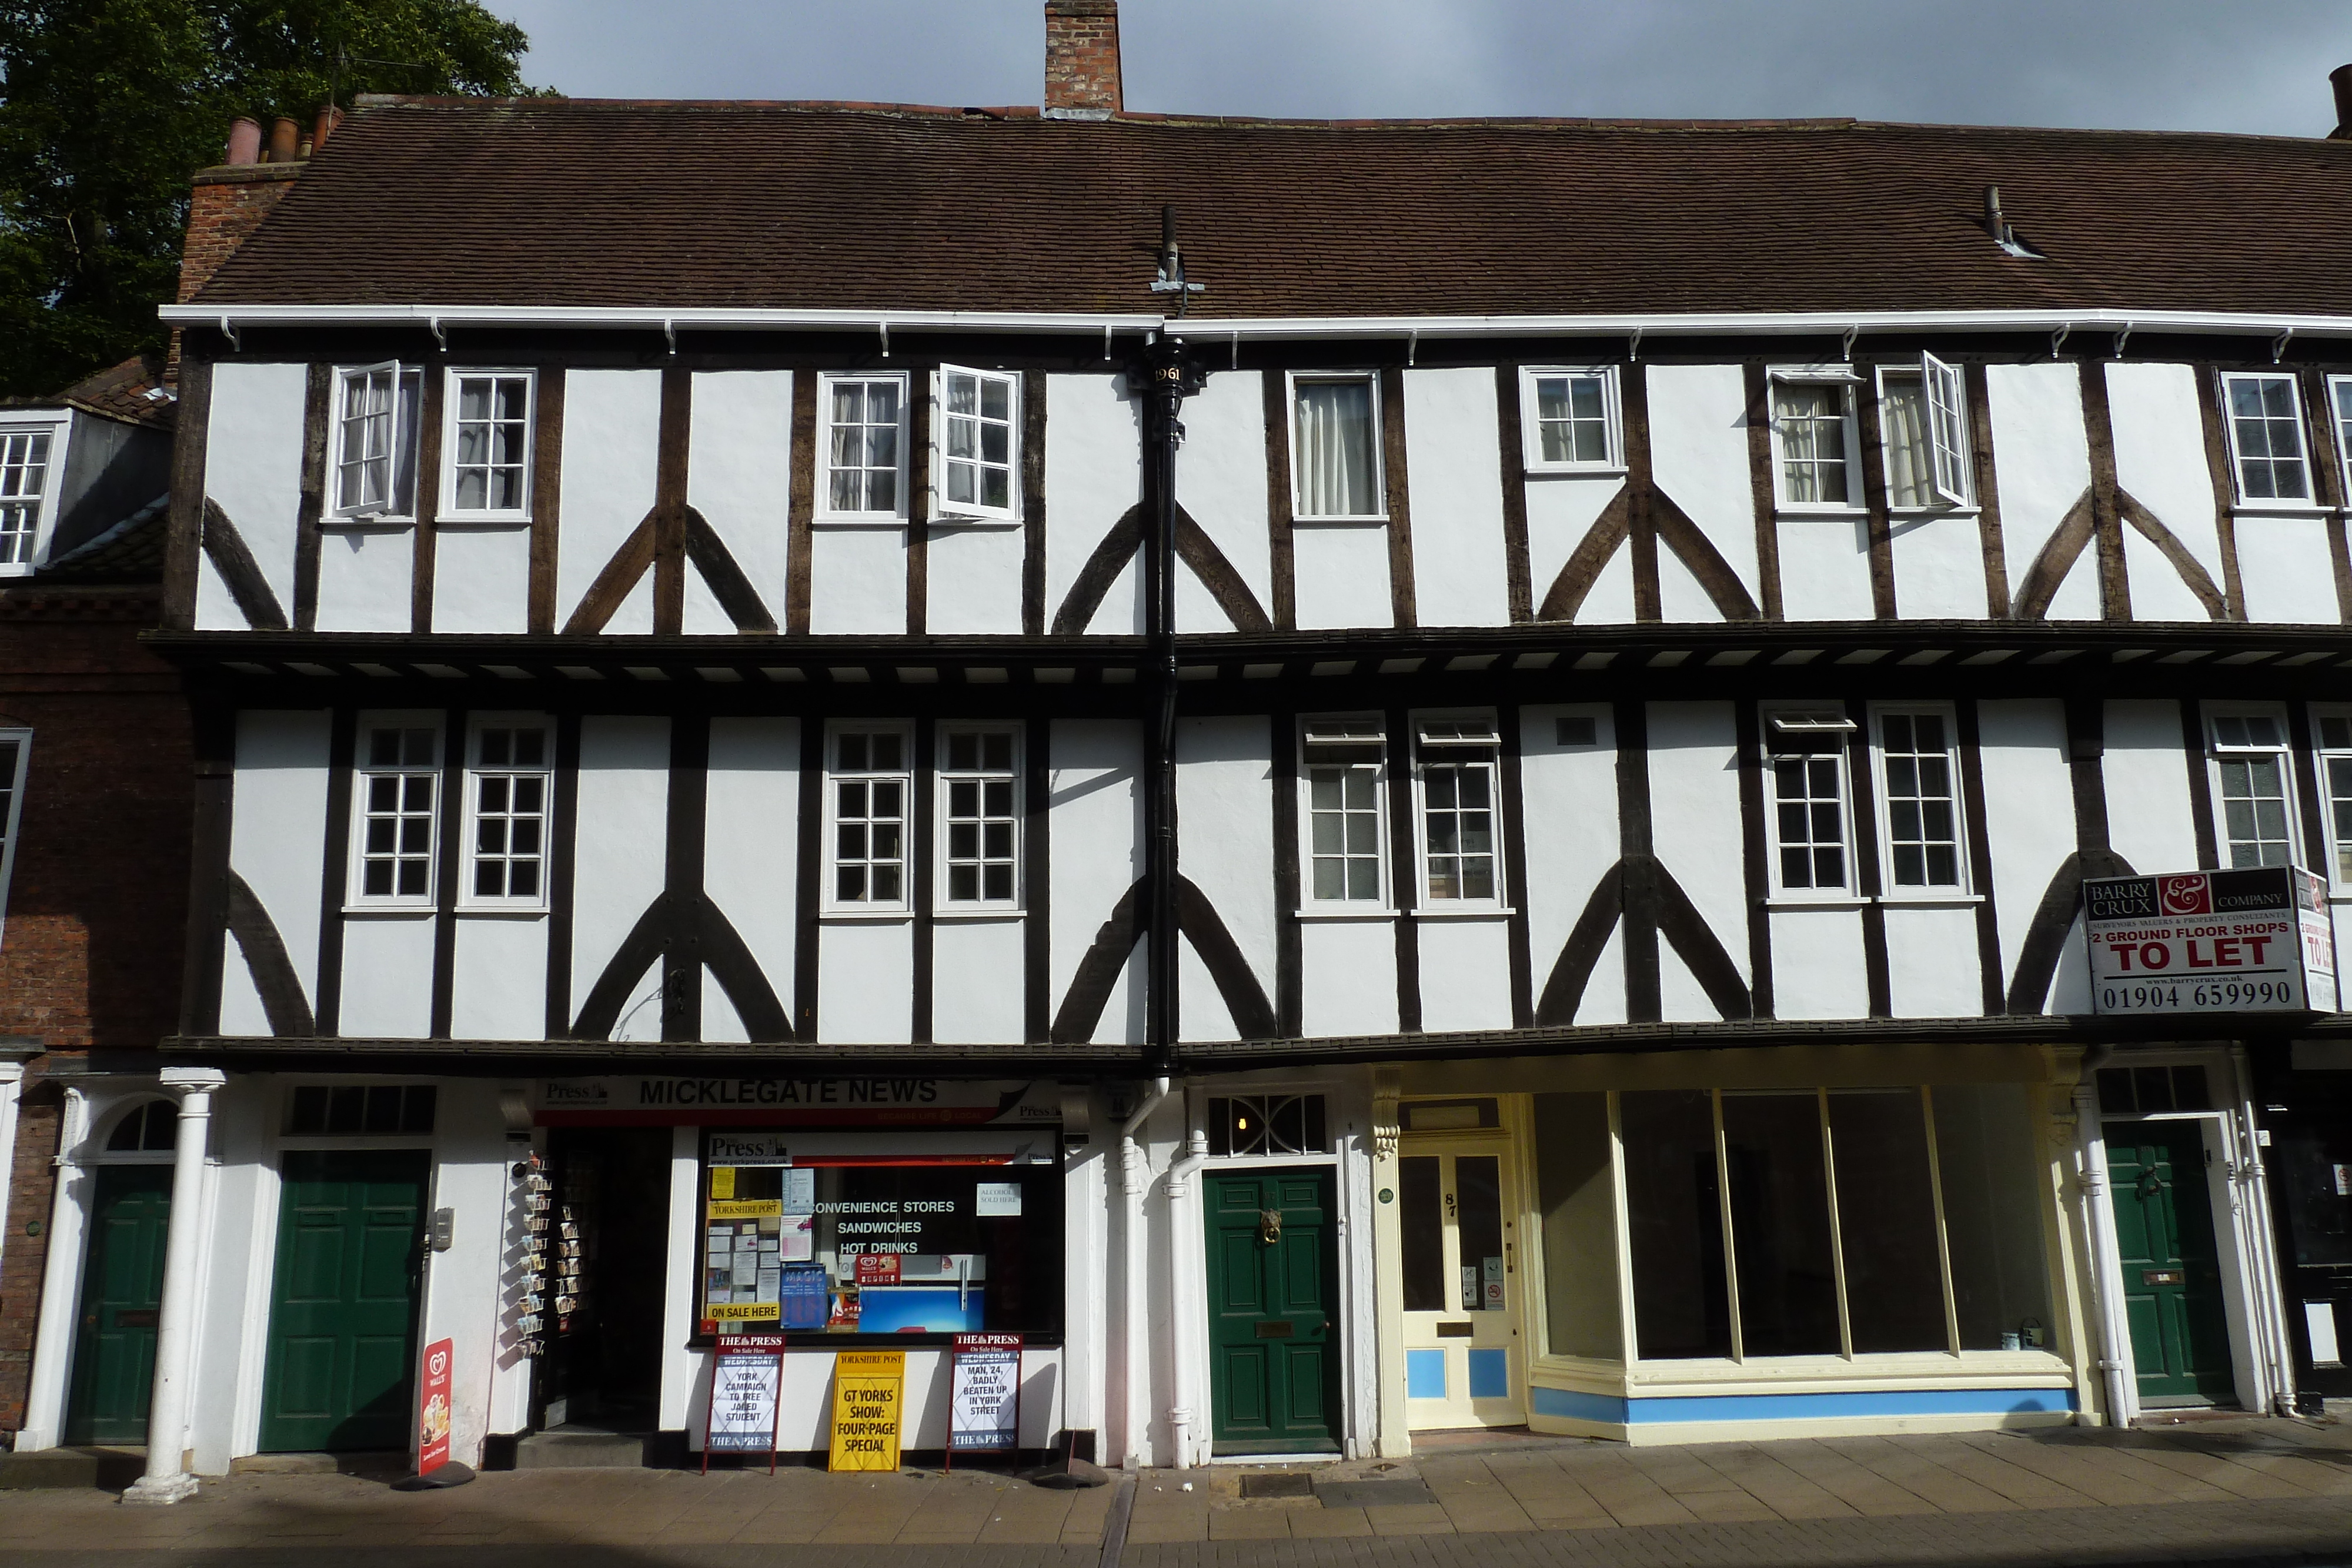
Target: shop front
2304,1090
1714,1244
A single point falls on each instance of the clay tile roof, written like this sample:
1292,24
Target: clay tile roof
123,392
552,201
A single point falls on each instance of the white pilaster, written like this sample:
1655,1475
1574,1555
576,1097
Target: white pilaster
166,1480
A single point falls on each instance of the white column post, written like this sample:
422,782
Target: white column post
167,1416
12,1081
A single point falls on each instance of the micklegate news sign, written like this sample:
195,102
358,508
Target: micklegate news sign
2256,940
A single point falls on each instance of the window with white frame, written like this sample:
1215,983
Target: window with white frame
2250,767
979,444
1459,805
2264,418
1571,420
1921,769
2335,785
488,441
863,446
2339,390
1343,760
869,789
1335,449
1806,753
16,752
30,463
1923,427
374,431
397,793
1814,440
507,783
980,794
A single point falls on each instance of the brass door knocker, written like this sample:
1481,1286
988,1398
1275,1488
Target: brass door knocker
1269,1226
2151,1184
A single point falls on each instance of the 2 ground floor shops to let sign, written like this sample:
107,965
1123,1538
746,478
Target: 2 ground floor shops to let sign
1654,1248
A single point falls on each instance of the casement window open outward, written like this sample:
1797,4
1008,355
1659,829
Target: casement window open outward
1570,419
2263,415
373,428
1335,449
1457,763
976,447
395,799
32,460
1923,427
1344,761
1805,749
2252,793
862,447
509,782
486,436
1923,430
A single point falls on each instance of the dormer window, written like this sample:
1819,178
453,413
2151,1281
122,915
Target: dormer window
28,485
375,422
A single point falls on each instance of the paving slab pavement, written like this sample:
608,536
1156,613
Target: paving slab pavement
2249,1492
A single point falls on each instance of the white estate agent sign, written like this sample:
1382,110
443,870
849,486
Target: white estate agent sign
2256,940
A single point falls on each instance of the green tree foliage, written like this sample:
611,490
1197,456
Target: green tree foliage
107,107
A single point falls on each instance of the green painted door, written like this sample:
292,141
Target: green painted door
2171,1267
121,1292
1273,1278
342,1316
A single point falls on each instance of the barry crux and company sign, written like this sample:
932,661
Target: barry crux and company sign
2256,940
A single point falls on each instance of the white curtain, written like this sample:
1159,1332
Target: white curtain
1334,456
1910,464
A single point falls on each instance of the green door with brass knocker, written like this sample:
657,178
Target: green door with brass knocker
1273,1340
121,1295
2171,1265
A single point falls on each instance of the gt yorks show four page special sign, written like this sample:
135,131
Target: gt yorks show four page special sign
2254,940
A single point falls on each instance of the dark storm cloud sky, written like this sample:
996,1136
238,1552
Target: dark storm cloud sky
2210,65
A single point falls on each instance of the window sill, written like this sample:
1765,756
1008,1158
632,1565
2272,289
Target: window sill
1344,914
2281,509
462,521
978,916
1929,899
864,916
392,911
1450,911
501,911
384,524
1576,470
961,520
1827,512
1832,901
859,521
1929,514
1370,520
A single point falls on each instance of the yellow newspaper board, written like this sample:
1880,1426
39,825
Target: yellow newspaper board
868,1386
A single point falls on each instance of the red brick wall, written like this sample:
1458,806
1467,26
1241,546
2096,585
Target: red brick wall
227,204
1082,55
30,1186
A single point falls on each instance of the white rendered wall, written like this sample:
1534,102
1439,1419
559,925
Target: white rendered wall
367,578
2043,459
462,1284
388,975
865,982
1698,456
977,996
276,843
1694,765
1342,572
612,436
857,579
1932,968
481,580
1570,794
972,581
2150,820
1460,576
1094,473
1097,838
619,844
1465,973
1346,974
1221,482
1939,572
750,853
2285,568
2030,815
1825,566
498,978
2160,463
1561,509
253,469
1224,814
1817,963
739,476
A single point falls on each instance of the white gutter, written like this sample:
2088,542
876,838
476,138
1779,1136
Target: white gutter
668,318
1184,1252
1134,1316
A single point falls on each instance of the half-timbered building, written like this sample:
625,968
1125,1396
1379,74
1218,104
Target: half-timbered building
1364,777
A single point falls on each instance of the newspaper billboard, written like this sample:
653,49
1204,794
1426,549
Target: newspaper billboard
2254,940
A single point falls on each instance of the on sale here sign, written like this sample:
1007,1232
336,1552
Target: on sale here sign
2255,940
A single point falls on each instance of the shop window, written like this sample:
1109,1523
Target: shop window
1421,1232
1987,1154
1777,1172
914,1235
2127,1091
1576,1196
1268,1125
1673,1221
150,1128
1886,1221
342,1110
1450,1115
2311,1167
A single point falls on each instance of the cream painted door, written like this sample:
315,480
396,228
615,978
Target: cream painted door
1466,1364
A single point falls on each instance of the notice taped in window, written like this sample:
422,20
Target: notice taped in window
868,1393
984,1395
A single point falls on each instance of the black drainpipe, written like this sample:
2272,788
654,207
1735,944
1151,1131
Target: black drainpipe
1164,379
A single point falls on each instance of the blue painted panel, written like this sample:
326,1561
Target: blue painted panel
1490,1374
1424,1374
1576,1405
1861,1402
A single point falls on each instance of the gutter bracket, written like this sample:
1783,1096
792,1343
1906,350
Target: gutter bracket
2058,338
885,328
669,335
1105,340
228,330
1633,346
2279,343
1411,345
1845,344
440,338
1238,349
2124,337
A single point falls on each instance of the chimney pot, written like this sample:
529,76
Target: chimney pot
244,140
285,138
2340,78
1082,66
330,116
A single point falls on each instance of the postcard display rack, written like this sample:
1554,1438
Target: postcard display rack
538,1199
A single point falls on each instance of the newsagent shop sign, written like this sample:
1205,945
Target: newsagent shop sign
2256,940
713,1102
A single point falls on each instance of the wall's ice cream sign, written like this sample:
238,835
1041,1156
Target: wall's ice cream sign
2256,940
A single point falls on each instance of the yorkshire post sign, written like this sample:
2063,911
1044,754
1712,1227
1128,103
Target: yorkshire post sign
2256,940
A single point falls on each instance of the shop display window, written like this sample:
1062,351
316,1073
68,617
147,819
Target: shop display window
1986,1155
1886,1221
1577,1197
1682,1305
1777,1171
909,1238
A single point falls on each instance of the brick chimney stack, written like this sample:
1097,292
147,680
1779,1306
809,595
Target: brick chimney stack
230,200
1082,59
